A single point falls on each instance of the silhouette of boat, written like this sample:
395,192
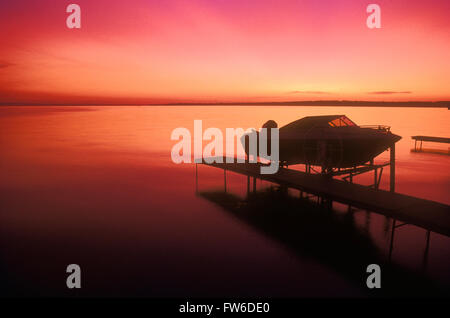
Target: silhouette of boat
332,141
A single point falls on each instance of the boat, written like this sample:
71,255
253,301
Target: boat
332,141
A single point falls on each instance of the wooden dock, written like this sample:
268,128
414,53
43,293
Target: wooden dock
430,215
421,139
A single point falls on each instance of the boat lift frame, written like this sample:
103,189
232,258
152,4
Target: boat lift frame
347,174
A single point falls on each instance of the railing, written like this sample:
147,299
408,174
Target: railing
377,127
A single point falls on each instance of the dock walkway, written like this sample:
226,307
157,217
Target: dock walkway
430,215
421,139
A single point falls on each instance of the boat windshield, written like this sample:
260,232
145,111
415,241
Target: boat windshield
341,122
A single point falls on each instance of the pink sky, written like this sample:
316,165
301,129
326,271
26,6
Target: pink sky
223,50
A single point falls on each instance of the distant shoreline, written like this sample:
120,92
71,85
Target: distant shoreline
347,103
324,103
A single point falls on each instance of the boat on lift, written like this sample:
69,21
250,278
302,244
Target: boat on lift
332,141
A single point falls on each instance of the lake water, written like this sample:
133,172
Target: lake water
96,186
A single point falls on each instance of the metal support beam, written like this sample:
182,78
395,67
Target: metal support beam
392,166
379,178
375,174
401,224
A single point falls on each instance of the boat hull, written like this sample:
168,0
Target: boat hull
342,147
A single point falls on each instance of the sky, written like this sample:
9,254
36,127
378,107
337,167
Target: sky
145,51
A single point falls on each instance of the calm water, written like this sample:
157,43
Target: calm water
96,186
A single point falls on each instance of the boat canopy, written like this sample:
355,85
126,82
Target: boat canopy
320,121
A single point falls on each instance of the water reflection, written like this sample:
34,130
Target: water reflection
96,185
315,231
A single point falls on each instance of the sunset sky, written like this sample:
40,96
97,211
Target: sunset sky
145,51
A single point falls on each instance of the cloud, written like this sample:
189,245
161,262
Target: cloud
308,92
389,92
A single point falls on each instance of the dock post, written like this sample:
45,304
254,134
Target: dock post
248,185
254,184
392,166
391,245
375,178
425,254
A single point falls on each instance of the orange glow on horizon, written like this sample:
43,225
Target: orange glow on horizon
211,51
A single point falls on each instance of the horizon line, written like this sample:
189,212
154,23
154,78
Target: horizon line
331,102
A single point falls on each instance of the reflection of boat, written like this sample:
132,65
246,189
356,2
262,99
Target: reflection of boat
329,141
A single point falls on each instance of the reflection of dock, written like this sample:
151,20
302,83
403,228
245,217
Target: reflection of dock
421,139
430,215
312,231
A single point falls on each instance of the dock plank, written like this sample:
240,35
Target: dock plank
431,138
